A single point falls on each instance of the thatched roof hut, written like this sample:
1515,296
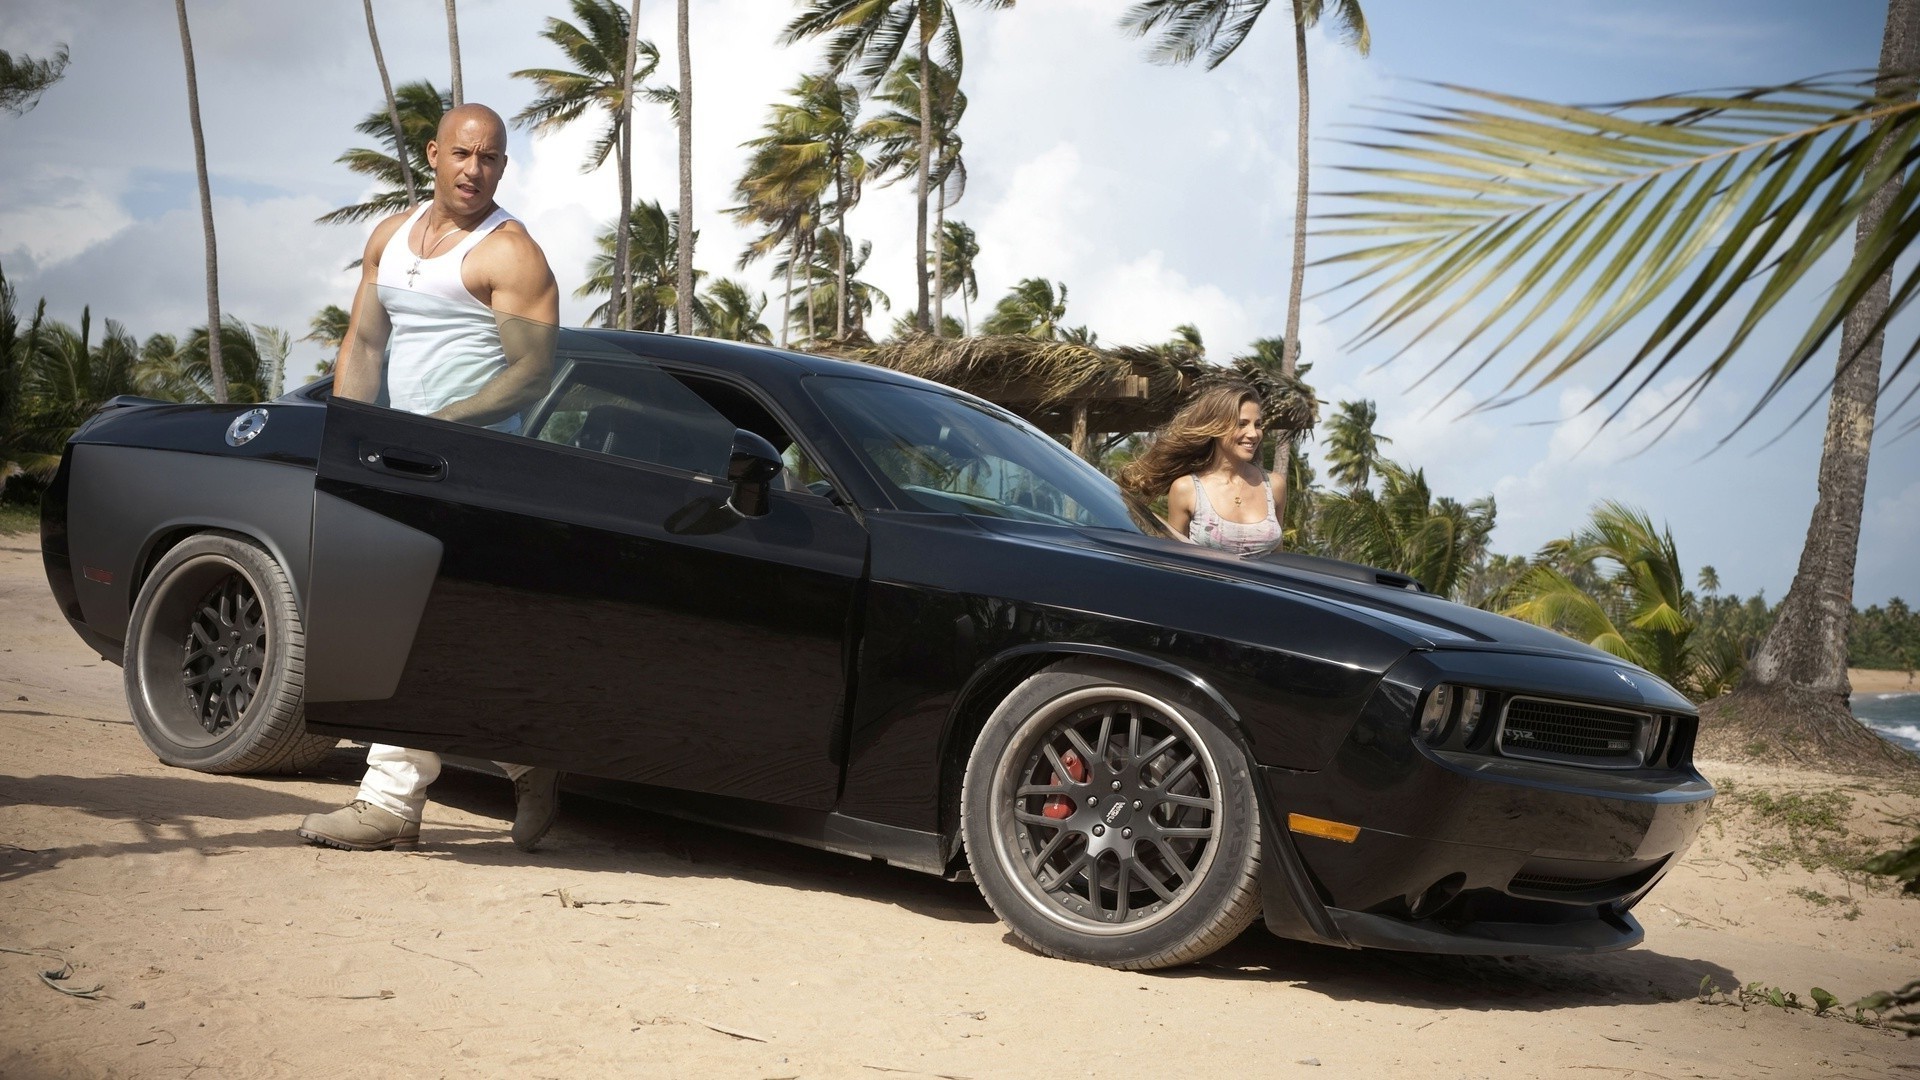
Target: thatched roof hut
1082,391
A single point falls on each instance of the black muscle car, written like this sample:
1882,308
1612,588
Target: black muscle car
823,601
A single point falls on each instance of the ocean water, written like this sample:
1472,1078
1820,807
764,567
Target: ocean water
1896,716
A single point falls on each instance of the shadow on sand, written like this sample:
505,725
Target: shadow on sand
598,836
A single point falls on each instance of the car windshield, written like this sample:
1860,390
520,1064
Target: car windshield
945,454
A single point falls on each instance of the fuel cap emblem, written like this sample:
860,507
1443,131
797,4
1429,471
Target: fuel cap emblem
245,426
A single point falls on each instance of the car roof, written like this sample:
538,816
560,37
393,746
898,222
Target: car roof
746,359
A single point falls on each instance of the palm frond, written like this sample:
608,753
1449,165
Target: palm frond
1564,227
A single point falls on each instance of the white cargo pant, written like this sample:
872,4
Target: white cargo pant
397,778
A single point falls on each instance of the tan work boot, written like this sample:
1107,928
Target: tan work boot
361,826
536,801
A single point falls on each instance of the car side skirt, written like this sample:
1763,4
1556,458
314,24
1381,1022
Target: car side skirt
822,829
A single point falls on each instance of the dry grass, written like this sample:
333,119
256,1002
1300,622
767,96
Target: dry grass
1049,373
16,519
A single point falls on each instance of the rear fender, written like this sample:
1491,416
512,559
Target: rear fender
127,505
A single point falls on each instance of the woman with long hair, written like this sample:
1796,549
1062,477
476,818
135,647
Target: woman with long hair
1206,462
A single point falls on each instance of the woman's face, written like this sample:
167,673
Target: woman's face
1243,444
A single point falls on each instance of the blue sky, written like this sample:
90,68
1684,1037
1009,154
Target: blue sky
1158,195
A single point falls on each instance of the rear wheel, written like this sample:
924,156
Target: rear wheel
1109,819
215,661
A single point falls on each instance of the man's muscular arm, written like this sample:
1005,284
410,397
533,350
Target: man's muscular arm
356,372
526,304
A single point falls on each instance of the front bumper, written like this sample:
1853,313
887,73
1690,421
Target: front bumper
1472,852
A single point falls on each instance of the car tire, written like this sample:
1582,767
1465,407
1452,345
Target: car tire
1163,877
215,661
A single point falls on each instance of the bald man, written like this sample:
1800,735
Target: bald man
435,284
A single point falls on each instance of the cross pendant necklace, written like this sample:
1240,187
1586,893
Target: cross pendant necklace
417,259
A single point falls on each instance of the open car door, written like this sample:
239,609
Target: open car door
580,587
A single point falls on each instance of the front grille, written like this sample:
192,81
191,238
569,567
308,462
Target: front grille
1570,732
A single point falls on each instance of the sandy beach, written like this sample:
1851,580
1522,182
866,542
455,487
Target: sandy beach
634,945
1876,681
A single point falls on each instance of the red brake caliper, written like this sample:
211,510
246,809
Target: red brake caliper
1059,806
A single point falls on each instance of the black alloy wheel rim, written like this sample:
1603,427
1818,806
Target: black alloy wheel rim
225,654
1110,815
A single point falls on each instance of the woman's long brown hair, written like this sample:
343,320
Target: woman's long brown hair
1185,444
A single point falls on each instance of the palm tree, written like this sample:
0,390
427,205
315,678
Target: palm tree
1215,28
785,218
896,135
812,143
206,200
608,61
622,299
453,52
949,328
1638,608
1405,528
958,248
653,237
733,313
328,329
1702,198
419,109
24,79
826,276
1709,580
1353,448
16,353
174,370
1032,309
63,377
683,115
393,108
867,38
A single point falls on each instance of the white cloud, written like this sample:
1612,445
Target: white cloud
54,212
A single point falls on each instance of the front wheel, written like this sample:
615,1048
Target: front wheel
215,661
1109,819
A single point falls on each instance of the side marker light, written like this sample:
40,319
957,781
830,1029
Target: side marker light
1321,827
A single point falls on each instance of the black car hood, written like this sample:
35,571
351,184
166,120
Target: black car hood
1428,621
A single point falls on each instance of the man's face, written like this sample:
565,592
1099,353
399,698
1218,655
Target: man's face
467,165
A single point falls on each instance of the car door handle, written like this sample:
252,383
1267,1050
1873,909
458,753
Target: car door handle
410,464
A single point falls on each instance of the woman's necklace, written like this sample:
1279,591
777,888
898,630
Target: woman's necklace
1230,492
431,248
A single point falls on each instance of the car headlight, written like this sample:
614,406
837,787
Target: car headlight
1432,725
1473,703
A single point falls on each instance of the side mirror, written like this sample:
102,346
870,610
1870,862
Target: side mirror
751,468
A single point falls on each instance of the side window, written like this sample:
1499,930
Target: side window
742,410
639,412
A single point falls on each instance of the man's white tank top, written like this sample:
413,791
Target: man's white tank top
444,344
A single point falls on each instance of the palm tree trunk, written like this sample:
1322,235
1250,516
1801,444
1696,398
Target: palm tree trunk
453,53
1290,342
206,211
1797,684
840,263
786,298
940,265
400,149
927,27
622,300
812,316
966,309
683,276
